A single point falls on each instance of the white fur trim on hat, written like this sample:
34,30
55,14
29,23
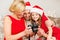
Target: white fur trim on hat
39,11
28,7
26,0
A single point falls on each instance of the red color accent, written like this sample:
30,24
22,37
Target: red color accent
43,26
39,39
56,30
36,6
27,4
17,26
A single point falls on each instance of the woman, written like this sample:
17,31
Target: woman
27,18
14,25
41,20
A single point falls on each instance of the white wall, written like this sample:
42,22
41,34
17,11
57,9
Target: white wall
4,7
50,6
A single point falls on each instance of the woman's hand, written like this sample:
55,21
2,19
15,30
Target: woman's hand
28,32
31,32
53,38
40,32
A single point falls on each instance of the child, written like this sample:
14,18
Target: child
38,17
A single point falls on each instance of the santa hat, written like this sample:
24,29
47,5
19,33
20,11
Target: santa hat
37,9
28,5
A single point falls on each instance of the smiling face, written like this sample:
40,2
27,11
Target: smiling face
35,16
27,15
18,9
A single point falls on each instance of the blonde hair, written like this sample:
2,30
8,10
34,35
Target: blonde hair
17,5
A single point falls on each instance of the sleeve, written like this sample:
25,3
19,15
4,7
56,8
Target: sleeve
44,17
43,26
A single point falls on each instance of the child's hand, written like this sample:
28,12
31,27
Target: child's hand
41,30
52,38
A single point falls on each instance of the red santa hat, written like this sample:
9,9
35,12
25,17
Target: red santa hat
37,9
28,5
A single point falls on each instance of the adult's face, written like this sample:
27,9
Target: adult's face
27,15
19,10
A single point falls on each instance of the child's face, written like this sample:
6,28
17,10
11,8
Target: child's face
35,16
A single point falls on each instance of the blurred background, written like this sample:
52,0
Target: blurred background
51,8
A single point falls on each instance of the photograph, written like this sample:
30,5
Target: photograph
29,19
